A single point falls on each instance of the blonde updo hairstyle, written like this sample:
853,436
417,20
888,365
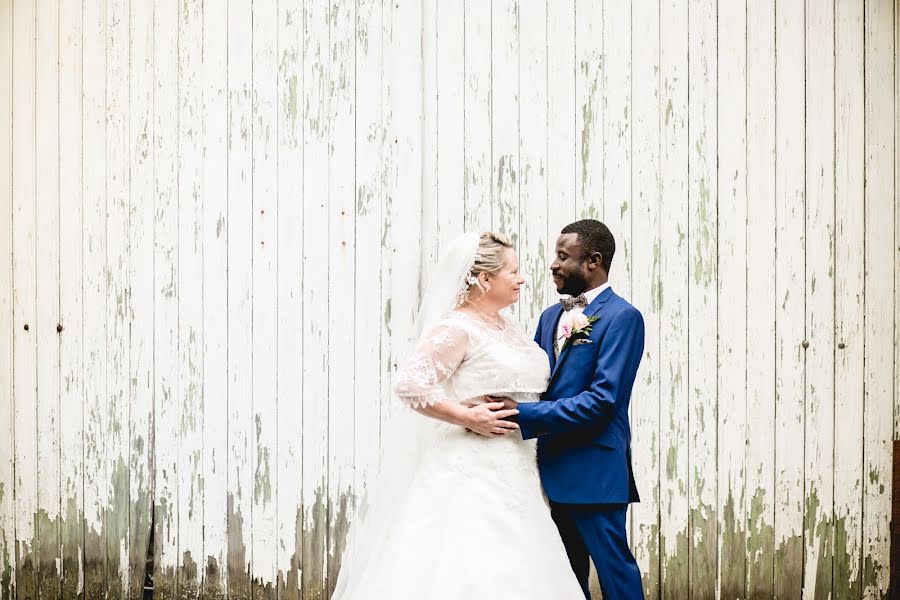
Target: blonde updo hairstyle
488,259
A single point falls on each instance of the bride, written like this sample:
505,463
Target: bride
456,511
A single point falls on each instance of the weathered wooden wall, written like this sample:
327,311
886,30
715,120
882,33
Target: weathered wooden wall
215,216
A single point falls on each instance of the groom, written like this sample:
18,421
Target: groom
595,340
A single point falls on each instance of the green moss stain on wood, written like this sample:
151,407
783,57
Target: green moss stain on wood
789,568
238,556
821,528
95,560
26,570
164,519
212,587
6,569
704,546
313,565
117,531
760,547
846,581
47,547
188,577
733,556
289,583
674,580
339,526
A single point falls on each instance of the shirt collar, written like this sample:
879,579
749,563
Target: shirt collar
593,293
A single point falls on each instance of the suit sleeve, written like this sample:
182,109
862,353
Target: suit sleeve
617,363
537,333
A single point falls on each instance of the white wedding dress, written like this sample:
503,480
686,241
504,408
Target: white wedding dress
473,523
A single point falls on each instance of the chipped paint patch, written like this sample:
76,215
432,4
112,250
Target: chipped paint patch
760,547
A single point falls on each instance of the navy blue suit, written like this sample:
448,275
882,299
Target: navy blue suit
584,439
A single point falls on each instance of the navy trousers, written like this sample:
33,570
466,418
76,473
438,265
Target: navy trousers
597,532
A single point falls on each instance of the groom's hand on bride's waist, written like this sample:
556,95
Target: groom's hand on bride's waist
493,418
508,404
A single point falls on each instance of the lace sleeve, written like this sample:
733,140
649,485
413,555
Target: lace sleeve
441,350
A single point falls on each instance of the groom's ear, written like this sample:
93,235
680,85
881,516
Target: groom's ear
595,261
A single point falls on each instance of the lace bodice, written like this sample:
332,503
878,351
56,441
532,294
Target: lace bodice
462,359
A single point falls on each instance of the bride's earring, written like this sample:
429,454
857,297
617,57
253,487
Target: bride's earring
485,285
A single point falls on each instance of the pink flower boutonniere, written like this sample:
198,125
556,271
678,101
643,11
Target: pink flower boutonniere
578,325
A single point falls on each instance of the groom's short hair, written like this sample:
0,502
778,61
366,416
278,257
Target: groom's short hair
594,236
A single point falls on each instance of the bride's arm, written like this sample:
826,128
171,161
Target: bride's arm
486,419
419,383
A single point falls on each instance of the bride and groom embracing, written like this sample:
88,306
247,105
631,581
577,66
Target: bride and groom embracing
466,506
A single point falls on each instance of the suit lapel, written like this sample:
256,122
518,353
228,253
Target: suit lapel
549,337
592,309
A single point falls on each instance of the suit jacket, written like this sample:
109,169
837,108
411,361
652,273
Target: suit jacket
581,422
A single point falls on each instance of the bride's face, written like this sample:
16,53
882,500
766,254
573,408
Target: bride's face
504,285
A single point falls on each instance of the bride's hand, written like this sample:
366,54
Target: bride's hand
488,419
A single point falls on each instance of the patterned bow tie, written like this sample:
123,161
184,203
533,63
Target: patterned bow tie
570,303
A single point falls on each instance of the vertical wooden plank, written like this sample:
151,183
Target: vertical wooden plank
94,261
615,185
759,496
820,293
896,227
533,158
190,298
240,220
589,110
732,299
24,268
849,184
369,222
702,301
562,144
385,201
7,406
645,203
166,394
47,234
451,152
403,103
505,173
117,173
477,118
341,274
673,343
71,305
289,353
140,299
263,449
316,138
790,163
878,297
215,301
616,152
406,125
430,219
505,165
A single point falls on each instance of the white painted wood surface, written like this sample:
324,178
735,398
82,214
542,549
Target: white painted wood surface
229,212
761,303
7,406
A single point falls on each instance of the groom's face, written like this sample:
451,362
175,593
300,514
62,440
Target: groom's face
569,269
